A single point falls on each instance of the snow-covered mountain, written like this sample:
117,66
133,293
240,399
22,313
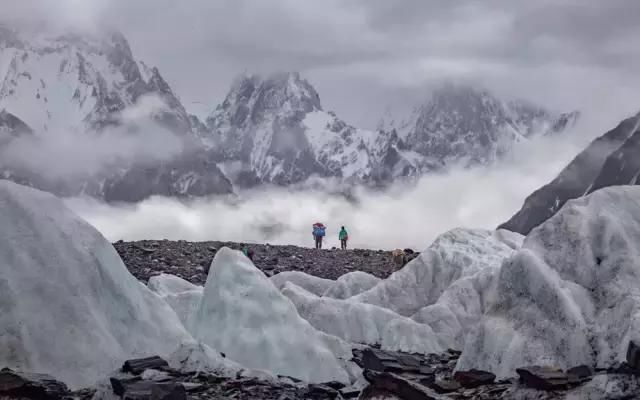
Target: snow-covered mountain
89,84
469,126
275,130
268,130
611,159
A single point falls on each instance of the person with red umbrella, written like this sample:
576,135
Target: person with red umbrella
318,233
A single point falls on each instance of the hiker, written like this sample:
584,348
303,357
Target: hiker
318,234
343,236
247,251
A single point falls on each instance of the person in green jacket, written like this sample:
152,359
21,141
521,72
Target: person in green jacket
343,236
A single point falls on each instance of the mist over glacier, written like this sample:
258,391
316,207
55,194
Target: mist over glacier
403,215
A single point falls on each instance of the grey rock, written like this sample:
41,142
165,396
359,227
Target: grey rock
474,378
23,385
139,365
543,378
633,355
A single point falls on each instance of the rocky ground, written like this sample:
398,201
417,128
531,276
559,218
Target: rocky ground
190,260
389,375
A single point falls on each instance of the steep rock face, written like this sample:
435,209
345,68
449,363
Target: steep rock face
609,160
54,83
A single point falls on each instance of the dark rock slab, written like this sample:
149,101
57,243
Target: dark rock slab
119,385
633,355
543,378
579,374
168,391
397,385
441,385
349,392
139,365
474,378
23,385
321,392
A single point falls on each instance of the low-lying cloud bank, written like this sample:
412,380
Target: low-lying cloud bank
402,216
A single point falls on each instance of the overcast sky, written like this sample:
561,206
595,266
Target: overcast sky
363,55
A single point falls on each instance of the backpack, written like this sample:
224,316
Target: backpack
318,229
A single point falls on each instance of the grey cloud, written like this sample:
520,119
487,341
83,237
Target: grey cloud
359,53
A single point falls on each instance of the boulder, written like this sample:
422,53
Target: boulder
139,365
633,355
23,385
579,373
543,378
398,386
473,378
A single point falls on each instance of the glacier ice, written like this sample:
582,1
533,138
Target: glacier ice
351,284
68,305
184,297
363,323
245,316
308,282
571,295
453,255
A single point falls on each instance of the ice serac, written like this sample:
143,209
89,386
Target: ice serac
609,160
245,316
183,296
364,323
571,295
308,282
351,284
68,305
453,255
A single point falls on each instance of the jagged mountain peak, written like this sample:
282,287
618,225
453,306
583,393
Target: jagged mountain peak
89,76
255,96
465,124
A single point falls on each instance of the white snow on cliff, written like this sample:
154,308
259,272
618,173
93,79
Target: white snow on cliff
68,305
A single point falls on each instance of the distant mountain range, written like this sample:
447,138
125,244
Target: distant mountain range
268,130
